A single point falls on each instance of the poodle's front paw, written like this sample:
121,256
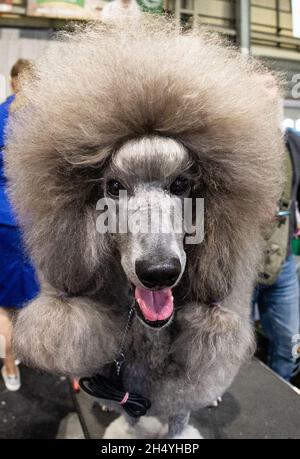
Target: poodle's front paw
189,433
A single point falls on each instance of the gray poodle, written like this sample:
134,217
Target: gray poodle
162,116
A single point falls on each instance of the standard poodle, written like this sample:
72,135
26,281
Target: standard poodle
162,117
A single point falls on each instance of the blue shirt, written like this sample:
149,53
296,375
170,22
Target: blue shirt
4,114
6,213
18,283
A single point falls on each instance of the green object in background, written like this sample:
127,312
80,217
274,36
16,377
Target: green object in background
296,246
151,6
72,2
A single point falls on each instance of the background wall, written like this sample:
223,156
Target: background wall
19,43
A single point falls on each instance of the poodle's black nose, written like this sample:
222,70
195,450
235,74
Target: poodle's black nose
157,276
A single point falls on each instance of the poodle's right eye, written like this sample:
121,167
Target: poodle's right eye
113,188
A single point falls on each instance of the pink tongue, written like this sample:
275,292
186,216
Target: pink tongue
155,305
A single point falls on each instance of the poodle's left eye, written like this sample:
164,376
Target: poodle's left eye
113,188
180,186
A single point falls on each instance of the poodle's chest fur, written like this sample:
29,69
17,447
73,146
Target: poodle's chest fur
184,366
150,364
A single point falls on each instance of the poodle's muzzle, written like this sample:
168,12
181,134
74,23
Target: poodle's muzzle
153,264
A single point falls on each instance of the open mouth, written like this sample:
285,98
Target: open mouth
155,308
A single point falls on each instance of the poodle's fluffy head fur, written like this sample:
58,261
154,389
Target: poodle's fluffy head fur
144,105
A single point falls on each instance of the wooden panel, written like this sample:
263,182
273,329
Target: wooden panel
261,16
216,8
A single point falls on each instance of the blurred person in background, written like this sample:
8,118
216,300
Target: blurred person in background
277,294
119,9
18,283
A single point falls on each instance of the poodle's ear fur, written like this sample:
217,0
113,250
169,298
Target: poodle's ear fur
105,85
68,250
238,208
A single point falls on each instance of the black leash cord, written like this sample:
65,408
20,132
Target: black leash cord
101,387
121,354
111,388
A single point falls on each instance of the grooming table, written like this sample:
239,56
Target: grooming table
259,405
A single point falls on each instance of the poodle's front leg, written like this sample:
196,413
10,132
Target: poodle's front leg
177,424
66,335
179,428
132,422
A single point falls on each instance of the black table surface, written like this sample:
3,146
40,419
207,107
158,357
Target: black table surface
259,405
